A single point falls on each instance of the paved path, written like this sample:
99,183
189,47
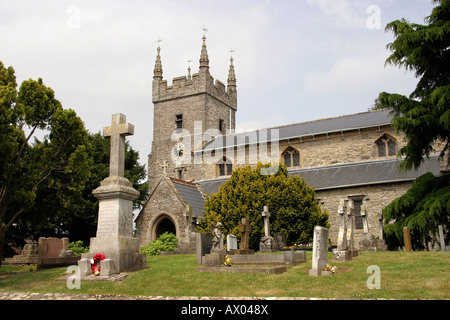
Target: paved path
74,296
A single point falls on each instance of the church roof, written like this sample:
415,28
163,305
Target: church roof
191,195
356,121
349,174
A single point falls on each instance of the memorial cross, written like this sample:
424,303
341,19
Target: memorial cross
117,132
266,216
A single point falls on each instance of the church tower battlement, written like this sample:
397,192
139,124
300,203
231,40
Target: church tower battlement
198,83
190,99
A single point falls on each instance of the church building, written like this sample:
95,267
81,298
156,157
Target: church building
195,149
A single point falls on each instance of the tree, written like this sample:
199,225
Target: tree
58,162
292,203
422,208
424,116
78,219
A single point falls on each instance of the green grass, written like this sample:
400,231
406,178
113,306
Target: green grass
404,275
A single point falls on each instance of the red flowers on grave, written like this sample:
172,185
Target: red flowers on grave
95,262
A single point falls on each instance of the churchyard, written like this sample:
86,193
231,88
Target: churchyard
403,275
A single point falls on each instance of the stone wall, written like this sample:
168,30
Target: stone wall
374,197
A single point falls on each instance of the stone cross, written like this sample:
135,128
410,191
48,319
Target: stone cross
117,132
350,225
342,235
364,218
266,215
245,228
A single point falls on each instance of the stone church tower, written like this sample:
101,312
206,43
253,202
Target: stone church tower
192,105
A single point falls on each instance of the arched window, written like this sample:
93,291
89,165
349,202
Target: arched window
386,145
291,157
225,167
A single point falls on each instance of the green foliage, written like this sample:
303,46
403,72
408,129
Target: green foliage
422,208
424,116
29,166
292,203
78,247
166,242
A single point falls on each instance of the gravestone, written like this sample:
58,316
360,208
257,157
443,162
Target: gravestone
342,235
245,228
29,255
266,243
381,244
407,239
114,236
279,241
351,228
365,221
203,246
217,254
55,252
367,242
231,242
342,252
442,238
320,250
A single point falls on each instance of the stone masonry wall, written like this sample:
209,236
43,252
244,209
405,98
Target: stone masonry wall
374,197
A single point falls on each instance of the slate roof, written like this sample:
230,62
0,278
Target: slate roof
191,195
305,129
349,174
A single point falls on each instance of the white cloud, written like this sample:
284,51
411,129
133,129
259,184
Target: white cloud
342,12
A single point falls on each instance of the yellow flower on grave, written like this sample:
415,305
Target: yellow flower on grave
227,261
329,267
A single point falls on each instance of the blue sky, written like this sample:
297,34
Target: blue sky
295,60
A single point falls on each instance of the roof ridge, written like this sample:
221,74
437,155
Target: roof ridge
184,182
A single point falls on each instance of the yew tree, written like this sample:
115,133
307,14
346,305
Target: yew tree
42,145
291,201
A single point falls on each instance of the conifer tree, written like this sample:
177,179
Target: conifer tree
291,201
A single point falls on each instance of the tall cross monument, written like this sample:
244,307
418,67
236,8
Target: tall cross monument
114,236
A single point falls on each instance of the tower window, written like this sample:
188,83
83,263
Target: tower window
225,167
179,122
291,157
386,146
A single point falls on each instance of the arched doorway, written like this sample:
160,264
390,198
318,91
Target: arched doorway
163,224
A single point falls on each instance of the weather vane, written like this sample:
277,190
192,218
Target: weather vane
159,41
232,51
204,30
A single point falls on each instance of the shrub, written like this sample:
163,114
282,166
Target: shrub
291,201
78,247
166,242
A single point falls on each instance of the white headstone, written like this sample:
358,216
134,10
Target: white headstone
231,242
320,251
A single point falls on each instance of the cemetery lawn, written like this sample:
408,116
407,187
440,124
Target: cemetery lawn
404,275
